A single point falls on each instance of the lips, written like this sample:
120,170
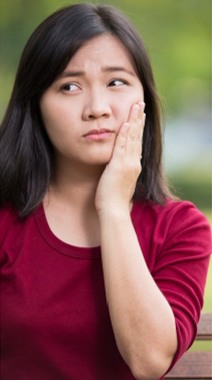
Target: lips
98,134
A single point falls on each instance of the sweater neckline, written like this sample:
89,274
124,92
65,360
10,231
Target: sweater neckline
62,247
58,245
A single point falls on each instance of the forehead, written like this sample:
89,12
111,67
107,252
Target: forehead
106,49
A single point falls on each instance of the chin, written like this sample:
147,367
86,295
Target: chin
99,162
100,158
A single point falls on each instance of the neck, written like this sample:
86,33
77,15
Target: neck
70,205
76,186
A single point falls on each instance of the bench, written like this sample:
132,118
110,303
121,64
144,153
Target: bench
196,364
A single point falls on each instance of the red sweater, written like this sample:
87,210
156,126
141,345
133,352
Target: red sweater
54,317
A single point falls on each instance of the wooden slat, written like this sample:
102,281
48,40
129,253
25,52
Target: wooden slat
204,331
193,365
196,365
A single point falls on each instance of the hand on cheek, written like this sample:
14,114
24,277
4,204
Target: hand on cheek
129,139
117,183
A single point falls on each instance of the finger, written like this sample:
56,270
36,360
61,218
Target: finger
133,120
120,144
136,120
135,131
130,130
142,128
141,136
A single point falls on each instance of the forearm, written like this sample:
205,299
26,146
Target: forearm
142,320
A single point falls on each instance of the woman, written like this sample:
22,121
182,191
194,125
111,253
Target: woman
103,271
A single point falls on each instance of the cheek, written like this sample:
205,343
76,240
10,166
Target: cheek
51,117
51,125
46,113
126,104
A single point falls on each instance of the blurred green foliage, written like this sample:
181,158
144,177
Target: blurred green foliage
192,188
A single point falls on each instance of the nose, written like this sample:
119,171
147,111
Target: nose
97,105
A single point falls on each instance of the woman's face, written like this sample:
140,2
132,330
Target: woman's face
85,106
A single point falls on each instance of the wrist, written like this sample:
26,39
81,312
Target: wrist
117,211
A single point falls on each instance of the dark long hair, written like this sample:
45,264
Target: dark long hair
26,153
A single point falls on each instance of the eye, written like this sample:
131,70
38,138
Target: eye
117,83
70,87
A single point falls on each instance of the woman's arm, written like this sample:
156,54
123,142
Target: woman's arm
142,320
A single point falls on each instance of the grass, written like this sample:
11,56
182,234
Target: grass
208,291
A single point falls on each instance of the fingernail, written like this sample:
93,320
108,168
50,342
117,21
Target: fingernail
136,110
136,106
142,105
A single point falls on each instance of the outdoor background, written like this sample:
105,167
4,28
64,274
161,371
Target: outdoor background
178,39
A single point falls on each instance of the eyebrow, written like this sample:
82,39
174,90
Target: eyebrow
117,68
105,69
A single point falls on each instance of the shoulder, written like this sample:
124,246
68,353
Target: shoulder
15,233
173,221
177,212
9,218
185,217
169,208
12,226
